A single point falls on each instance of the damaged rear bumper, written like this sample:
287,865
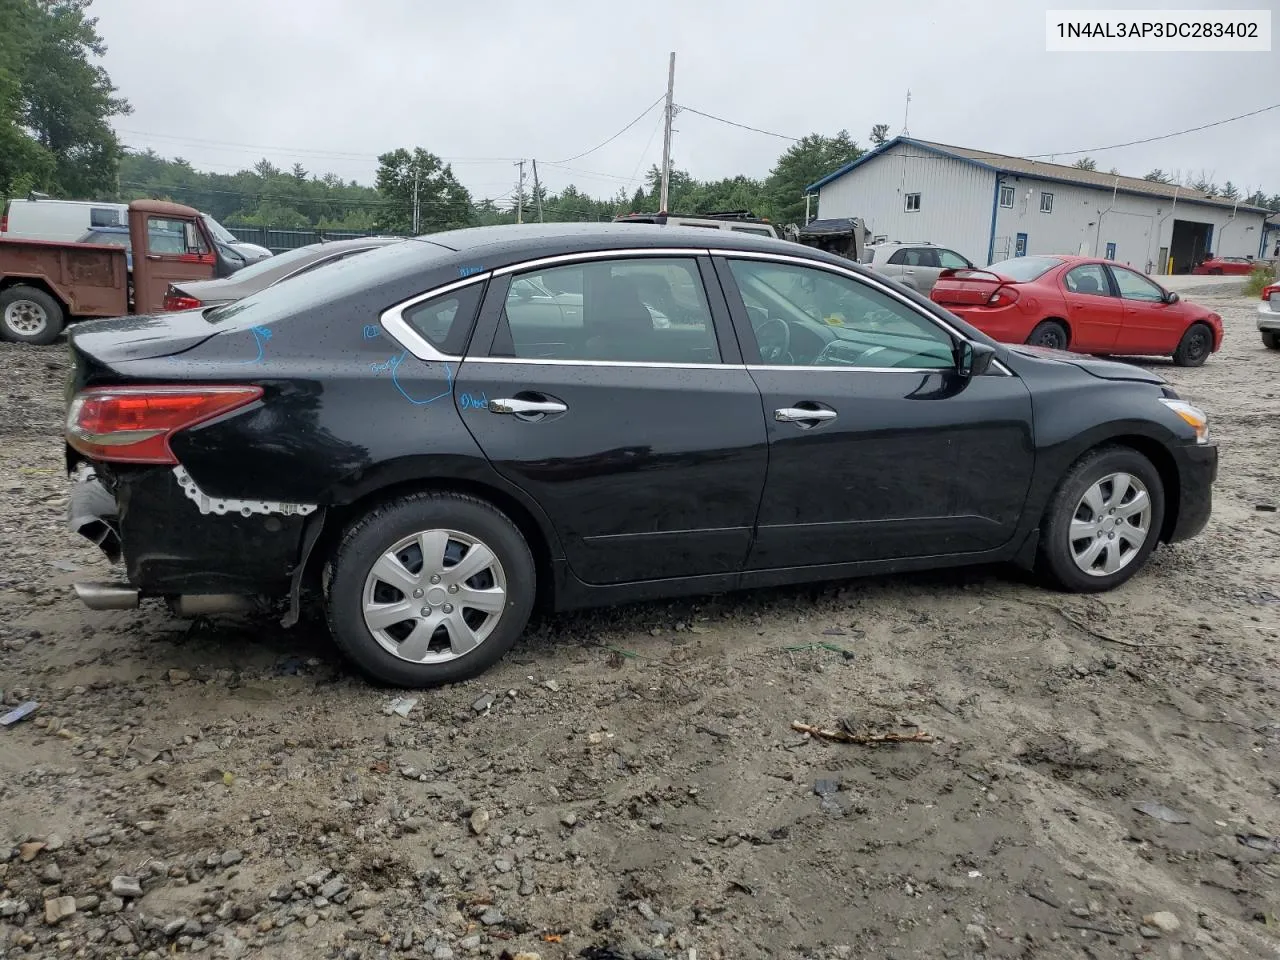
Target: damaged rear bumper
204,555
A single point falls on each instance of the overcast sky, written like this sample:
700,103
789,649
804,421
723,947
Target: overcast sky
332,83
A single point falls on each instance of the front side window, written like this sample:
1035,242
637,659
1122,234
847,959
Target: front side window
806,317
950,260
1088,279
1134,286
1046,202
1006,197
639,310
913,202
174,237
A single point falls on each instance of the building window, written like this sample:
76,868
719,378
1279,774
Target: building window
1046,202
1006,197
913,203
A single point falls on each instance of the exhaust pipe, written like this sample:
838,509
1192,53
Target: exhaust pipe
107,596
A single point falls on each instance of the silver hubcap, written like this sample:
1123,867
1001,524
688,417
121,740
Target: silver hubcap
434,596
1111,523
26,317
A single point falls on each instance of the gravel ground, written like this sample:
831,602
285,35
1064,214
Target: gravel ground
626,784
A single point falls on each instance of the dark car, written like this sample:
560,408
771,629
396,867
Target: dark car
436,453
187,295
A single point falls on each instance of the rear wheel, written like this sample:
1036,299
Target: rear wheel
1271,339
429,589
1195,347
1049,333
29,315
1103,521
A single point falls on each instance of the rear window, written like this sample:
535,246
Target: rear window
1025,269
347,276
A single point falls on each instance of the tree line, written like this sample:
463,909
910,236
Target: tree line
56,104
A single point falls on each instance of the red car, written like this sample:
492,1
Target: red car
1218,266
1080,304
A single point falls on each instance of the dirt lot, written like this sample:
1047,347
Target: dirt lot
627,783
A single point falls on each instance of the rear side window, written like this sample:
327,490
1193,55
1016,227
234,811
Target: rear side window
104,217
1088,278
446,320
1025,269
642,310
868,254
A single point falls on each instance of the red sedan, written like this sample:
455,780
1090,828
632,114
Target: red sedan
1080,304
1239,266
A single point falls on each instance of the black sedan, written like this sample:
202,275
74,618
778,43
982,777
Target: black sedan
437,445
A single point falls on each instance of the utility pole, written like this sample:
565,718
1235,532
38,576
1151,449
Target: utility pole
415,198
807,198
520,194
906,113
537,190
666,136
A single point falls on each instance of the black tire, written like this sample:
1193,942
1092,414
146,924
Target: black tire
1195,346
365,541
29,315
1051,334
1271,339
1056,561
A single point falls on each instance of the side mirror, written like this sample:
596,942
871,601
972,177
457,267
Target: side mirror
1171,297
974,359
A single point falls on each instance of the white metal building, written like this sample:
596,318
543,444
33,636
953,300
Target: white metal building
989,207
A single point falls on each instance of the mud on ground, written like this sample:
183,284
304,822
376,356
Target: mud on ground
627,782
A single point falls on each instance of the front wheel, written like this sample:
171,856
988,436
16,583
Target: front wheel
1103,521
1195,346
429,589
29,315
1271,339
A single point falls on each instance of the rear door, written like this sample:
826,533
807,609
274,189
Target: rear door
1094,311
1149,325
878,450
632,422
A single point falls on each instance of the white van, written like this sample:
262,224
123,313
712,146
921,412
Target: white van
66,221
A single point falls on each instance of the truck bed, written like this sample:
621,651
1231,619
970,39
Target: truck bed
91,279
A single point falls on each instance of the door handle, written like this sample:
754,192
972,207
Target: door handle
154,256
527,408
806,417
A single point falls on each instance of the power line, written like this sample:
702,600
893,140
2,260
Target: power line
743,126
1166,136
323,154
614,137
635,173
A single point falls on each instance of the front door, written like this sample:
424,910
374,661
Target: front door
877,448
173,249
1150,325
1093,309
626,417
1020,246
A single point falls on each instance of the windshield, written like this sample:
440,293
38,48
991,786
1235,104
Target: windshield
1024,269
219,232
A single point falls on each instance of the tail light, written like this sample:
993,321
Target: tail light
175,301
135,424
1002,297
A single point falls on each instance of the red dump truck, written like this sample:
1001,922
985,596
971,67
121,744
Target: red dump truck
45,285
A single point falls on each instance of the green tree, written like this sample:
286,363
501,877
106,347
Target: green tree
1086,163
1229,191
806,161
1158,176
67,99
879,134
443,202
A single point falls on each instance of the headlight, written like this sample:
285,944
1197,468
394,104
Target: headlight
1192,414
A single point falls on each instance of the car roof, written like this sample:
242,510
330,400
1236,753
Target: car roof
527,241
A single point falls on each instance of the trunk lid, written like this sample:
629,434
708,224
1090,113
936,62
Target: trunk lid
967,288
141,337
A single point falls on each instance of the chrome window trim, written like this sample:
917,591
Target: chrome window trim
392,319
319,262
622,253
398,328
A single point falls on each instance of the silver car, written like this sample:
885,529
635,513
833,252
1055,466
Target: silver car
915,265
